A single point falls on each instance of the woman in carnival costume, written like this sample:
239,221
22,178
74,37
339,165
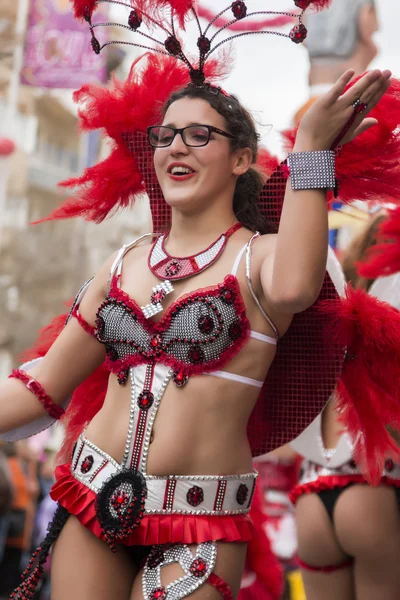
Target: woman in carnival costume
348,532
199,345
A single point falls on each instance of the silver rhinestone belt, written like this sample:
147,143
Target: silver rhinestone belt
310,471
171,494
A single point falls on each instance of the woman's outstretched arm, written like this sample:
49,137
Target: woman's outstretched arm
74,355
293,270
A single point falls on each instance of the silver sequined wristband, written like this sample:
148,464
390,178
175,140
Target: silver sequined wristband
312,170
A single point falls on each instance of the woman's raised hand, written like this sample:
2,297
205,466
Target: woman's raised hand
329,115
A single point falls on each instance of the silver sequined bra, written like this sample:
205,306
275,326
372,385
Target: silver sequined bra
199,333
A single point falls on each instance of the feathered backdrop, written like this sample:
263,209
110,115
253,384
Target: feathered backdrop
368,391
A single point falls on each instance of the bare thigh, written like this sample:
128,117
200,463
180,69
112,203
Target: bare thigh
83,567
367,523
229,566
319,546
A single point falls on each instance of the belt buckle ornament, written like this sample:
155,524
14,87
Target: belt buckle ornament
120,505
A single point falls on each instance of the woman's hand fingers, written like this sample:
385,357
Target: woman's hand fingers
366,87
341,114
364,126
338,88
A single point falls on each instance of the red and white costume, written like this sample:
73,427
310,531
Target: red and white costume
199,335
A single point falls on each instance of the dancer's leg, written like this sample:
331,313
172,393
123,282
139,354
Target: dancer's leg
319,547
367,522
83,567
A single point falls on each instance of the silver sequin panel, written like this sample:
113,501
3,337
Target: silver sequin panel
181,554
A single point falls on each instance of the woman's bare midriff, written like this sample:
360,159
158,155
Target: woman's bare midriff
200,429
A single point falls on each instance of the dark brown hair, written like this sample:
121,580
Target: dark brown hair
241,125
357,251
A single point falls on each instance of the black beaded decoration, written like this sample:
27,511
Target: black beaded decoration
87,464
120,505
242,494
205,324
195,354
195,496
235,331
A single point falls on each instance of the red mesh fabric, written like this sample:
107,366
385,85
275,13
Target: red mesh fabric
308,363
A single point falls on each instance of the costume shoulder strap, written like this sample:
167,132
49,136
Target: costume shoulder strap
251,288
78,299
116,267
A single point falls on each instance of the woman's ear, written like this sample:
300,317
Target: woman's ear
243,161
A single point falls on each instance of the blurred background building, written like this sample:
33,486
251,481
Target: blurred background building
42,266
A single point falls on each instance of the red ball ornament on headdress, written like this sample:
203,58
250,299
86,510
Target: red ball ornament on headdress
173,45
134,20
203,44
316,4
239,9
298,33
94,42
303,4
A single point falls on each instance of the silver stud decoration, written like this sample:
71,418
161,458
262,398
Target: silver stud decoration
159,292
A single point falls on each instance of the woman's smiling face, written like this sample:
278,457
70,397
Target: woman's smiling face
207,171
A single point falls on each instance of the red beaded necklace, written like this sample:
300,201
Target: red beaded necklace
164,266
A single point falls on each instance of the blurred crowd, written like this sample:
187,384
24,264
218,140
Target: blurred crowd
26,476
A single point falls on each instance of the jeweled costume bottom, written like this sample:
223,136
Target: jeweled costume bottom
122,505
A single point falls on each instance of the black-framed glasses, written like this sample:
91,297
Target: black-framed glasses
194,136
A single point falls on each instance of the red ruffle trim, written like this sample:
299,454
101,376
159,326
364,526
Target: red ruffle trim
154,529
330,482
84,324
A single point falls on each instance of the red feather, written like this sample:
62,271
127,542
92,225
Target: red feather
158,10
368,391
368,168
384,257
81,7
85,403
267,162
126,107
320,4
